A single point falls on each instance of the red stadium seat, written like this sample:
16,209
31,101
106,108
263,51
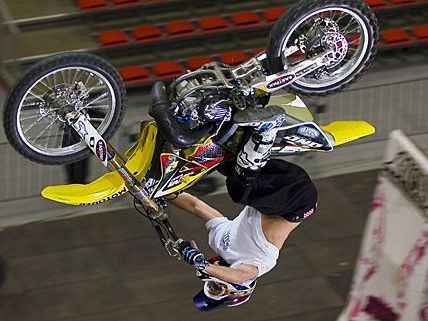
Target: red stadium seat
245,19
124,2
92,4
167,69
421,31
213,23
396,37
273,14
234,58
147,33
112,37
376,3
180,28
403,1
198,62
134,73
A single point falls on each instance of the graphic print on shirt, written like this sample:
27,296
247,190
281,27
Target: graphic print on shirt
225,240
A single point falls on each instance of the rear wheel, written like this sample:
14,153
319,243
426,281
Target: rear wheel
349,27
34,112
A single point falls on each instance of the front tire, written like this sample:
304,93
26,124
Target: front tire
33,113
301,17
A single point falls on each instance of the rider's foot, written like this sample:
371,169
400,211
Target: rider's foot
262,118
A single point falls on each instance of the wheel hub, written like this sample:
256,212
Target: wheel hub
62,99
338,44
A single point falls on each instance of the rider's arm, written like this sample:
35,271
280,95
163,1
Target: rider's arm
195,206
243,273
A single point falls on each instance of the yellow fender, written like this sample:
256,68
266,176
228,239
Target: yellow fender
110,185
347,131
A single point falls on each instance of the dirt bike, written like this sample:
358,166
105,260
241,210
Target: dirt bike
70,104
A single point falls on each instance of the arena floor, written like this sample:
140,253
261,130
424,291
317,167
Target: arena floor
110,267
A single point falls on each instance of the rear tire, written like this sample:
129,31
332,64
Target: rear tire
50,86
304,10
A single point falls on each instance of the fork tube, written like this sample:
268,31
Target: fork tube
135,188
108,156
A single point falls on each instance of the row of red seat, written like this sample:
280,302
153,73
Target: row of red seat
105,4
144,74
384,4
139,74
189,28
412,35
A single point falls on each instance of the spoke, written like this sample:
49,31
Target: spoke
33,124
342,15
97,120
59,135
351,31
29,117
68,76
87,79
34,95
96,99
354,40
44,130
63,77
97,106
97,87
76,72
54,79
30,104
41,82
351,22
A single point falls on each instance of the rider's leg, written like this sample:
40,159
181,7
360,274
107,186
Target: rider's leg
257,151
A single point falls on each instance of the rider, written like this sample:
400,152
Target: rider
278,196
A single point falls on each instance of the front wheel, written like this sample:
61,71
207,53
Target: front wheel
34,120
349,27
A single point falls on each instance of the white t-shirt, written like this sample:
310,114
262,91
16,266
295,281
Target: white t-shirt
242,241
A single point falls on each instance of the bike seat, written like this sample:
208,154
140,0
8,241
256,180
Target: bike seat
169,127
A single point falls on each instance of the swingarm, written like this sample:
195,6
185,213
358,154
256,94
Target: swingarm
272,83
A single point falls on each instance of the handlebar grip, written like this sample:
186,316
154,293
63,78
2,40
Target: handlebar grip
182,245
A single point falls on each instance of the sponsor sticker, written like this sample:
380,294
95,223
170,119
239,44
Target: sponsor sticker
281,81
308,132
101,150
115,195
302,141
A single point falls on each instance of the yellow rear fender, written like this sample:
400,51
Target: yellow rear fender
347,131
110,185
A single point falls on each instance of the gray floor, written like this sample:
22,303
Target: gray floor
110,266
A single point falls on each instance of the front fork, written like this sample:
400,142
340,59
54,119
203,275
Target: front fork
115,162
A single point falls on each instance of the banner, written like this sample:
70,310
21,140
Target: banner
391,276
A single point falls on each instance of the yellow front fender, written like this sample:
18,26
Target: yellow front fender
110,185
347,131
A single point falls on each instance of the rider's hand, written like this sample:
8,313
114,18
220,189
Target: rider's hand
194,257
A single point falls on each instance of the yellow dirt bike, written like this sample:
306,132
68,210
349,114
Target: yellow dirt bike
70,104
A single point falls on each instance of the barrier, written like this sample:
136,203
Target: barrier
391,280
